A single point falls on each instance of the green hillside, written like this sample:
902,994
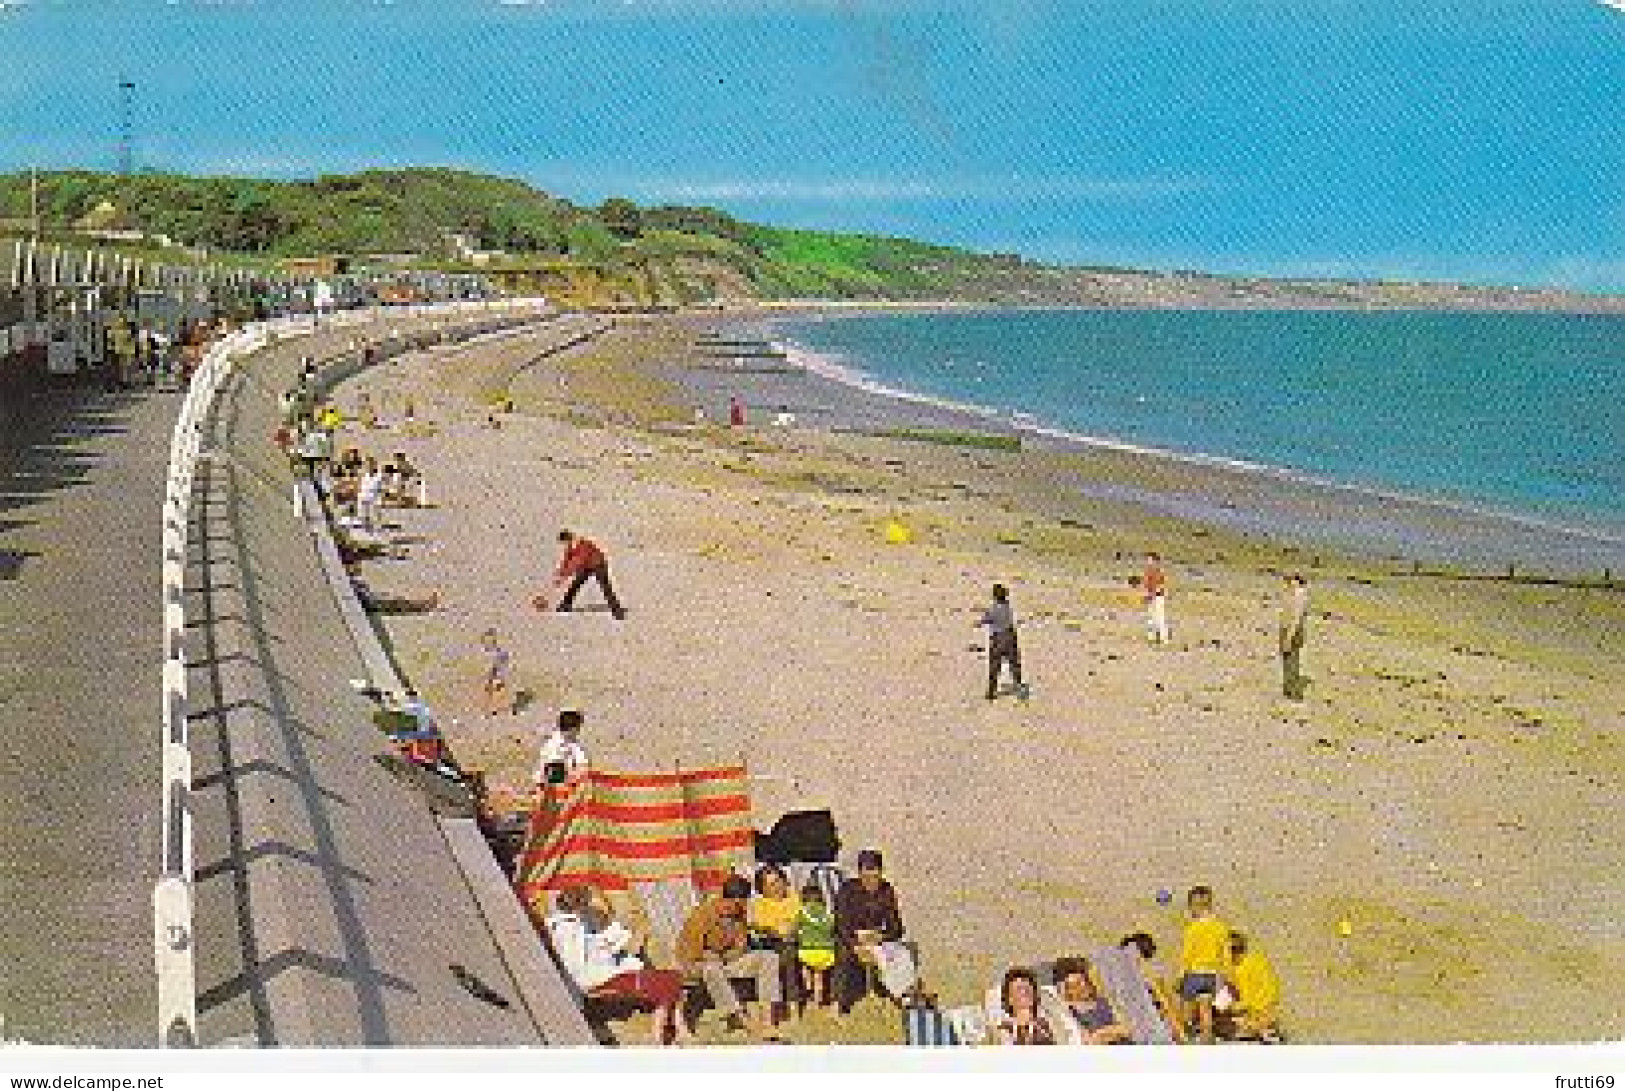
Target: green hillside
430,212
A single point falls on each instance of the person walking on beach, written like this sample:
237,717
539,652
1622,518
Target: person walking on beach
1294,619
1155,585
584,560
736,411
497,685
1002,647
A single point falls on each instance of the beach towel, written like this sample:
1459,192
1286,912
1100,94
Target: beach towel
612,830
1125,987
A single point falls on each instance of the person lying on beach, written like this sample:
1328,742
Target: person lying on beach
1089,1018
375,602
597,952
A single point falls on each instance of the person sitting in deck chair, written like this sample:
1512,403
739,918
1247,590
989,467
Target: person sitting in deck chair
870,954
597,952
1086,1015
714,948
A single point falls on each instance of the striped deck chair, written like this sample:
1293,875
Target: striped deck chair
1120,977
666,905
926,1026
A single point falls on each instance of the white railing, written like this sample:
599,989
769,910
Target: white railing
172,896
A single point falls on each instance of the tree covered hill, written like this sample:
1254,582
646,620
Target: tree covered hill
442,215
457,219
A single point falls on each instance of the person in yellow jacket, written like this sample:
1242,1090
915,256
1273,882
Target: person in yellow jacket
1257,1009
1204,960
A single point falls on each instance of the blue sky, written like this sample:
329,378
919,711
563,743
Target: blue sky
1474,139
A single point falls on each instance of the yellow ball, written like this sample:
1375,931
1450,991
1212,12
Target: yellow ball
898,534
1345,928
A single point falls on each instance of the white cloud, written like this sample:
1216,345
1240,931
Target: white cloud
949,189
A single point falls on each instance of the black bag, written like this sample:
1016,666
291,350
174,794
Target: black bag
807,837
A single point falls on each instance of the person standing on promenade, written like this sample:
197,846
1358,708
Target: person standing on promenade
583,560
370,496
1294,619
1155,585
1001,643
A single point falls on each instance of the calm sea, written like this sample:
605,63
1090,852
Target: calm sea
1523,413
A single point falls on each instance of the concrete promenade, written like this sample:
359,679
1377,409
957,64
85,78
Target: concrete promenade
81,483
329,910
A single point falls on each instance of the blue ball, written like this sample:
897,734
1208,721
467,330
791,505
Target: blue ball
1164,896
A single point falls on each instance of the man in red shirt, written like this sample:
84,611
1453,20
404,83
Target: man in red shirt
583,560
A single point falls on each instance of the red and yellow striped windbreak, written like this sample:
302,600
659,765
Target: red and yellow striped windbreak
610,830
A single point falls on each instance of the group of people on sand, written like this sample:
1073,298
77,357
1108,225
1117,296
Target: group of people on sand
1004,651
758,952
1225,988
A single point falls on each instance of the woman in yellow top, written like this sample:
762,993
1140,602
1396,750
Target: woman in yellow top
771,917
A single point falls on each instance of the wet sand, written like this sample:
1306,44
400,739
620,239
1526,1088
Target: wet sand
1449,786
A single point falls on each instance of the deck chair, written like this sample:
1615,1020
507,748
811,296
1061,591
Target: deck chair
828,877
924,1025
969,1023
666,904
1120,977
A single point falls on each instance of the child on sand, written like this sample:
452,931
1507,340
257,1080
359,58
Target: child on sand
815,944
1204,959
1255,1014
497,684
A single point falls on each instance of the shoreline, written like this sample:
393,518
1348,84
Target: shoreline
1371,520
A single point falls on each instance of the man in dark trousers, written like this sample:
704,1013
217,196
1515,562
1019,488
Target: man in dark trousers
583,560
870,953
1001,643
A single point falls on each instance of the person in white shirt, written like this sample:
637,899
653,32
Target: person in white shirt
563,759
595,950
370,495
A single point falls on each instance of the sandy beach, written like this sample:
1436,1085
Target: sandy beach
1449,786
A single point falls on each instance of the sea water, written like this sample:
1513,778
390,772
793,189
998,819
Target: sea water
1510,412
